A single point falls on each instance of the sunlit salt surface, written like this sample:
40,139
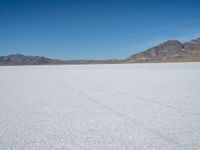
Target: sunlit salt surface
100,107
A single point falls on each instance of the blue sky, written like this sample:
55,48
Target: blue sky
102,29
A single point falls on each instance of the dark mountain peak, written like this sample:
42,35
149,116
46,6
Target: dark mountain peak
193,46
170,42
196,41
170,45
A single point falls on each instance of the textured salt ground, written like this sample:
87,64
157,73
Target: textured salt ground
131,106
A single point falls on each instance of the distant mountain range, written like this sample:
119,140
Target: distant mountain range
19,59
169,51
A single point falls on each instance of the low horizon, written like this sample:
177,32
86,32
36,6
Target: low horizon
93,30
99,59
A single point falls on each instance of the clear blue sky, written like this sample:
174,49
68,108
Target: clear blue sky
96,29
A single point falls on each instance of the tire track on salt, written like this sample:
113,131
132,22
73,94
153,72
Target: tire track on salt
119,114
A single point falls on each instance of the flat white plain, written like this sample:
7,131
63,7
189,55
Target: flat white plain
100,107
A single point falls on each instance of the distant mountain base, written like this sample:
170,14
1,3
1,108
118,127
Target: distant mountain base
195,58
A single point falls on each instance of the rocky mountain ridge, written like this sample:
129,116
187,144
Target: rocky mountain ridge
169,50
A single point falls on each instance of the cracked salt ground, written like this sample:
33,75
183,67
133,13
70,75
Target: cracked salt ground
131,106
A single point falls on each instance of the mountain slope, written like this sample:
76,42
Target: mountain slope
171,50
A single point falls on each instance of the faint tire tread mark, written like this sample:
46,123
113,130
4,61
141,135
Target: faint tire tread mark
143,99
124,116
